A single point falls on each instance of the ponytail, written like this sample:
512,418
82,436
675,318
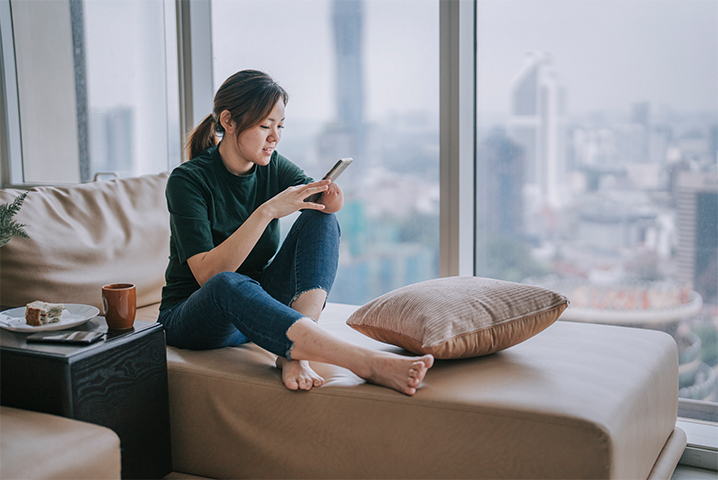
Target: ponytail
202,137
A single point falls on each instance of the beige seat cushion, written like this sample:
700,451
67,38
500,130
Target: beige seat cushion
84,236
574,401
148,313
36,445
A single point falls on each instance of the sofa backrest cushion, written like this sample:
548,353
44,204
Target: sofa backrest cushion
86,235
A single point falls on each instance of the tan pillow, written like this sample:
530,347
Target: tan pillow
459,317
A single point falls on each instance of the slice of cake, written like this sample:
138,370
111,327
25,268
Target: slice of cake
40,313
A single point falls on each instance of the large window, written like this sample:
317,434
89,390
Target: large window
363,80
133,117
596,176
90,89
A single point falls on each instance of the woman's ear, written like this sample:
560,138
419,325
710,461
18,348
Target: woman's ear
225,118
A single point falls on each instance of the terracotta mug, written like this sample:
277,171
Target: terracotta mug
119,302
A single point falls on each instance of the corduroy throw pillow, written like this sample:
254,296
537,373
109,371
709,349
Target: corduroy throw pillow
459,317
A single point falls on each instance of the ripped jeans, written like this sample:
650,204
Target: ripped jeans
231,308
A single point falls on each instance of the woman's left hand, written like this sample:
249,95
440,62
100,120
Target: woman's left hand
292,199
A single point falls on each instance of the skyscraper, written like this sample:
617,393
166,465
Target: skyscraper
640,135
347,131
697,221
536,124
347,19
501,172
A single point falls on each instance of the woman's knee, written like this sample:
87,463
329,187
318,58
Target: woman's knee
224,281
320,221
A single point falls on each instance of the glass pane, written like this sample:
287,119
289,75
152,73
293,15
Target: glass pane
46,94
129,131
93,89
363,81
598,142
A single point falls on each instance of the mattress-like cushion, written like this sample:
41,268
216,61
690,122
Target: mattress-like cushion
459,317
575,401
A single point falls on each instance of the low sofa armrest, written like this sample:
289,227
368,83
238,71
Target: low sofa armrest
37,445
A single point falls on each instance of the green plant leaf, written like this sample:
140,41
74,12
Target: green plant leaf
8,227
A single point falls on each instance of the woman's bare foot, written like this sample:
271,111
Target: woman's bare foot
403,374
311,342
298,375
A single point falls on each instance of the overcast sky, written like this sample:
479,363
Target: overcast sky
607,53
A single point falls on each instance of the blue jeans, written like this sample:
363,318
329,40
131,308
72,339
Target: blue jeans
231,308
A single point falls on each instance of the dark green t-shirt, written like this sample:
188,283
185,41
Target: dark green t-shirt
207,204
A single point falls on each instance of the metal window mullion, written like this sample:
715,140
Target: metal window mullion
10,128
457,28
172,82
78,49
196,88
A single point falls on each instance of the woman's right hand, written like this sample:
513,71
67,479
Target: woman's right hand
230,254
292,199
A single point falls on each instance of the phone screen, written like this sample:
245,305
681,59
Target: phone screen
332,175
338,168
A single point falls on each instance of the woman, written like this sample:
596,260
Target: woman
225,286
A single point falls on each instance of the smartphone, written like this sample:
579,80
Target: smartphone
72,337
332,175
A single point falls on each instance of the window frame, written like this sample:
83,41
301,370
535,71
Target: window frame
194,53
11,151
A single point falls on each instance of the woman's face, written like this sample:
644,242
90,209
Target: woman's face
256,144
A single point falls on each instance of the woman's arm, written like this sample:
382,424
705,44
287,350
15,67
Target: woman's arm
230,254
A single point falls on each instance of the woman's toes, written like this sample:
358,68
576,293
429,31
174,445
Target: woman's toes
417,370
298,375
428,361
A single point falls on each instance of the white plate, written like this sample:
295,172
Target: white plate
74,314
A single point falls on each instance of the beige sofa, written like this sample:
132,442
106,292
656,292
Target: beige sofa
38,445
575,401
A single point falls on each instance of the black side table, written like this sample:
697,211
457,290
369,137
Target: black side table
119,382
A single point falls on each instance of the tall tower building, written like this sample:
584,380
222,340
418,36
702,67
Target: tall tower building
640,141
697,221
347,133
537,124
111,141
501,170
347,17
499,199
